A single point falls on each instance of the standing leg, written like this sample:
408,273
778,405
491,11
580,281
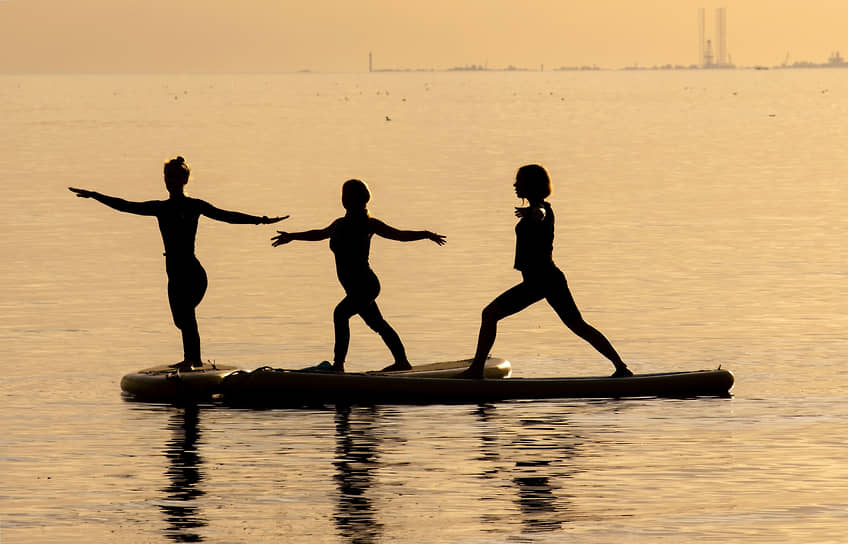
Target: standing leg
361,289
345,309
185,291
508,303
374,319
560,298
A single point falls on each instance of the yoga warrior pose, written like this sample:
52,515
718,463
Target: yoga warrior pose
350,241
542,279
177,217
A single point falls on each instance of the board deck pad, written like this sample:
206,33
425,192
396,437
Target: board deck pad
207,366
495,368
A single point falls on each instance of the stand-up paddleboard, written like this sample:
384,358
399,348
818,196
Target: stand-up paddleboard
274,387
164,383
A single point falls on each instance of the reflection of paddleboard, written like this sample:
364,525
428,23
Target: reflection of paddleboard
270,387
166,384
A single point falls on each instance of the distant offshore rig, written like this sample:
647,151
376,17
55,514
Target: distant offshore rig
707,58
712,54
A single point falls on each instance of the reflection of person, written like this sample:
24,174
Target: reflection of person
180,506
350,241
541,451
541,278
177,217
357,460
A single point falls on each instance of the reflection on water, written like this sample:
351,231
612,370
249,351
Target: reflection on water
525,457
538,503
356,460
538,455
181,512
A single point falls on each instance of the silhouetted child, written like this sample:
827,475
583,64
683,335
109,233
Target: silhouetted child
177,217
541,278
350,241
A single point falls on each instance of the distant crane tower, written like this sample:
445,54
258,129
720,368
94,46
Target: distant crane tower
707,58
370,62
721,36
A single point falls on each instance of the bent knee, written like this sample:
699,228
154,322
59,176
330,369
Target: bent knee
185,321
343,312
492,312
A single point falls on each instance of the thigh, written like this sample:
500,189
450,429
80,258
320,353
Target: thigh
347,308
360,293
199,283
363,285
513,300
179,297
186,286
560,298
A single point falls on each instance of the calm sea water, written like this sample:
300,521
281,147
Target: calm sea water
700,222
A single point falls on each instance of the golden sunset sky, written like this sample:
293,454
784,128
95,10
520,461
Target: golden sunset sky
337,35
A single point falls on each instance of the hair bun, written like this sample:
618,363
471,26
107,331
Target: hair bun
176,169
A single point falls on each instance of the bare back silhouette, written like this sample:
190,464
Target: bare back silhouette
178,217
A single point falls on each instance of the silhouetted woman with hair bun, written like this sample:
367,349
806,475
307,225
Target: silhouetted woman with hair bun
350,240
541,278
178,217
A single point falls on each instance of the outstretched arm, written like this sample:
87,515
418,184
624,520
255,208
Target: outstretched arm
392,233
238,218
307,235
138,208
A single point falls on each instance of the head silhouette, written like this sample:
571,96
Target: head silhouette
533,183
355,195
176,174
